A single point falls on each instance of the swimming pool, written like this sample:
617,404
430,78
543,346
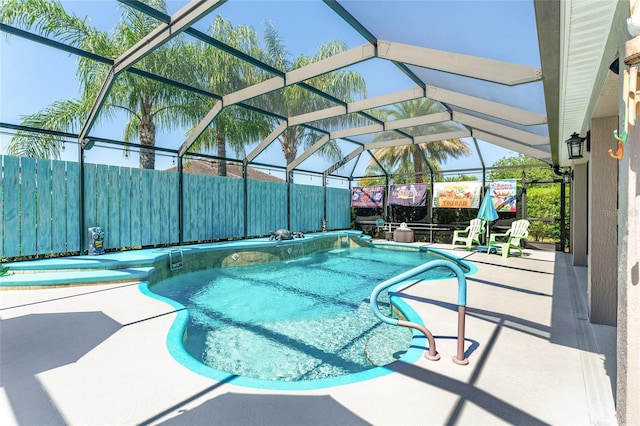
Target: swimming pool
303,323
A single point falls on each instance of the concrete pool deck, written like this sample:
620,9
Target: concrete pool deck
98,355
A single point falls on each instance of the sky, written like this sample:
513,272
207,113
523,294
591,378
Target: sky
32,76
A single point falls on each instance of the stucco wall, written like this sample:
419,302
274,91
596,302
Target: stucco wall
579,215
628,391
603,245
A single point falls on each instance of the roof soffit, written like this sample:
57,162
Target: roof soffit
588,44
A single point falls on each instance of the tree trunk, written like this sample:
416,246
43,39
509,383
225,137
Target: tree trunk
221,149
290,149
147,133
417,164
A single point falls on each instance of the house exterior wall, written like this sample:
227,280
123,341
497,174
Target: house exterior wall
579,215
628,333
603,241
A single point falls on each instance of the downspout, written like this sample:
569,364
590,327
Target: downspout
563,212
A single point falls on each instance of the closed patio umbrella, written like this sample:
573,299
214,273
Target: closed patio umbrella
487,211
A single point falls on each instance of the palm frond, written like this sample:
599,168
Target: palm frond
61,116
405,159
276,52
27,144
49,19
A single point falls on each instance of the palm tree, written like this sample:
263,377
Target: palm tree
410,159
148,104
223,73
293,100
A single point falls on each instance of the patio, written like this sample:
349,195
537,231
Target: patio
97,355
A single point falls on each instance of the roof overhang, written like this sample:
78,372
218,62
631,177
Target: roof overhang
578,42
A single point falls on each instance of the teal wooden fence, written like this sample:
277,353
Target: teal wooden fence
40,213
213,207
135,207
266,206
38,207
338,208
307,208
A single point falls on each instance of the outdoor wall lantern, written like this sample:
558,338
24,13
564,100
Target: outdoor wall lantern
575,144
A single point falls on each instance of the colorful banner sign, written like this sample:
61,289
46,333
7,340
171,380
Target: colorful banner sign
413,195
504,194
368,196
457,195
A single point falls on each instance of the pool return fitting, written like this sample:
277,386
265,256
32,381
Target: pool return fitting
432,355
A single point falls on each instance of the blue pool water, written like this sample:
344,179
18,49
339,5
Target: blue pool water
300,320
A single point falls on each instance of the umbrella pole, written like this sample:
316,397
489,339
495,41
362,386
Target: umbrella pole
486,234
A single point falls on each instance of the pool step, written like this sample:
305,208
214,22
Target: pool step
50,279
85,263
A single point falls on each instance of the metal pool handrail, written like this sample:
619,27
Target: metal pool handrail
462,302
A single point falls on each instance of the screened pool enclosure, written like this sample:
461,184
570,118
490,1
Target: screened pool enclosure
289,104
